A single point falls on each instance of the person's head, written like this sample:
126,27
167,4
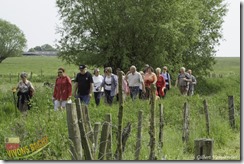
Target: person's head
108,71
165,69
189,71
96,71
23,76
149,69
82,69
61,72
182,70
158,71
132,69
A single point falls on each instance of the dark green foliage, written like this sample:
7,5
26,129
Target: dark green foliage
122,33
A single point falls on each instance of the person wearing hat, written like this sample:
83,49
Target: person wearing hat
167,78
83,86
25,91
97,79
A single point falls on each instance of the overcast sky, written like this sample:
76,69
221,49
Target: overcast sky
38,20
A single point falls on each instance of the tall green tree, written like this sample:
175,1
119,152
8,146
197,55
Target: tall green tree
12,40
121,33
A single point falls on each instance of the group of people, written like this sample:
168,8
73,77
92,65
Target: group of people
134,84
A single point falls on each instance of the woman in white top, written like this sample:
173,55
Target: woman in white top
110,83
97,80
25,91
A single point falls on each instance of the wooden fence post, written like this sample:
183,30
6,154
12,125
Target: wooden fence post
138,141
88,126
103,141
185,136
74,132
120,120
161,126
206,116
152,122
96,132
84,140
231,111
203,149
109,154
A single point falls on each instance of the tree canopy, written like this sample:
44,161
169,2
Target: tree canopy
160,32
12,40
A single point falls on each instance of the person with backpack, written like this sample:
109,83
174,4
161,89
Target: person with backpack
25,92
183,81
62,90
110,83
191,84
167,78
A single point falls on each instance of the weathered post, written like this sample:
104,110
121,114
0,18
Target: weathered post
203,149
139,129
84,140
231,111
96,132
87,122
206,116
103,141
185,136
109,155
161,126
120,120
152,122
74,132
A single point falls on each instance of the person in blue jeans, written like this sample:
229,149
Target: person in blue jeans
134,80
110,83
83,87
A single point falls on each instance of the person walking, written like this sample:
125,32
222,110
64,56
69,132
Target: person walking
149,78
167,79
25,92
83,86
110,83
160,84
183,81
97,90
191,84
62,90
134,79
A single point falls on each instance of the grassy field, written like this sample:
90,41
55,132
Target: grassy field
43,121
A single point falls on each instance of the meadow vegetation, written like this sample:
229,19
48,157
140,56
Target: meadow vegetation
42,120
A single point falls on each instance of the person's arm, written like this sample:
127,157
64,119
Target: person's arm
155,78
169,79
75,89
69,88
91,89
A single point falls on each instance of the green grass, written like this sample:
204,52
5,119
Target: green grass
43,121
